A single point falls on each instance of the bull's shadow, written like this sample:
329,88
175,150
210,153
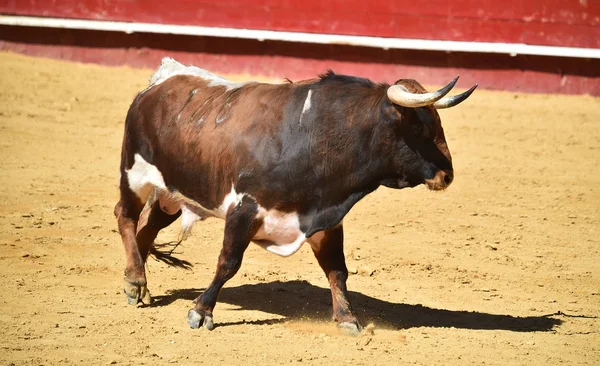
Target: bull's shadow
300,300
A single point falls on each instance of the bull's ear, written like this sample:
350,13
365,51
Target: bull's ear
448,102
393,113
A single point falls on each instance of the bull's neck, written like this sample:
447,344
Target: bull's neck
363,160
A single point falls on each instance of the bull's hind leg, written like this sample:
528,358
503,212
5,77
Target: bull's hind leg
156,220
127,212
136,185
328,247
241,225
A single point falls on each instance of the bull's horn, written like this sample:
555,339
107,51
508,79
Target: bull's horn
401,96
448,102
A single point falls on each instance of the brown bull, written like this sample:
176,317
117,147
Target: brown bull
282,164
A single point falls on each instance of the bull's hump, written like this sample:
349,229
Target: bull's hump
169,68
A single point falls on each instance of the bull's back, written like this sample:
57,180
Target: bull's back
205,138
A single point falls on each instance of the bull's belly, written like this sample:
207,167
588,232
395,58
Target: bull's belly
279,233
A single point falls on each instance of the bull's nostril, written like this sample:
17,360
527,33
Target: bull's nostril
448,178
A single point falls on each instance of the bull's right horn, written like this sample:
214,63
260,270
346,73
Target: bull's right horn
448,102
401,96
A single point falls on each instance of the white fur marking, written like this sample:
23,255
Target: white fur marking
169,67
306,107
143,176
307,102
280,232
232,198
188,218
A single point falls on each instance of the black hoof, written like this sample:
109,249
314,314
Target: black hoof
351,328
203,318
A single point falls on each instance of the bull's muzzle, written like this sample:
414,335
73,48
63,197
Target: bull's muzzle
440,181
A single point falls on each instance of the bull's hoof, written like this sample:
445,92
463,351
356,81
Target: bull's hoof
196,319
146,297
351,328
136,294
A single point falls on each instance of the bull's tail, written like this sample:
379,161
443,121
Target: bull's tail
164,253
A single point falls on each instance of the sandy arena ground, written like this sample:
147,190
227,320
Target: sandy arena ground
502,268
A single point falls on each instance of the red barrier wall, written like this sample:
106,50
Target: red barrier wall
572,23
569,23
300,60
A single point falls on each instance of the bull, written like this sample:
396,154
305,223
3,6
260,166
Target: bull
282,164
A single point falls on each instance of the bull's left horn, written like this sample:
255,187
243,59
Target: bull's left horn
448,102
401,96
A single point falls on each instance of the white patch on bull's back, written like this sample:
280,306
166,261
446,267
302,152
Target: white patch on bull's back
169,67
143,177
306,107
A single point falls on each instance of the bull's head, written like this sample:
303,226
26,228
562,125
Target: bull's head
422,155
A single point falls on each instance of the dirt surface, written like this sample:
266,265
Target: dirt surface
502,268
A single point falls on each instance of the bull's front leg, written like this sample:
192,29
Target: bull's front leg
328,247
241,225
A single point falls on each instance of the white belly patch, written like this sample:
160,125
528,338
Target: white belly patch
279,233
